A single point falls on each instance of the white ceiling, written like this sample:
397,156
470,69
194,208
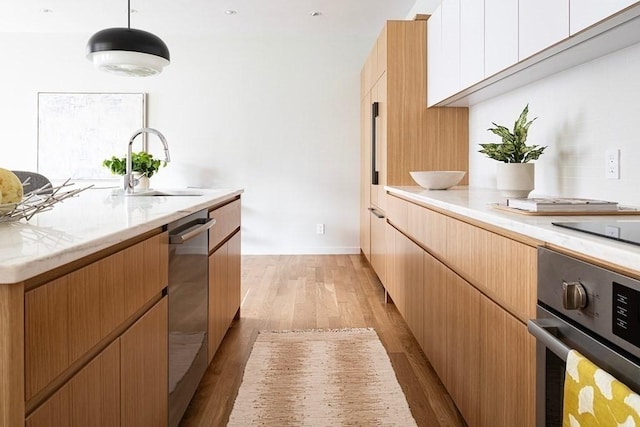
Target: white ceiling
289,17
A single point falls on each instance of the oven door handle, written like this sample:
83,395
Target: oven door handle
539,329
200,226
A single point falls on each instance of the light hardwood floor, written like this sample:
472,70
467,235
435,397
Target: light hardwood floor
305,292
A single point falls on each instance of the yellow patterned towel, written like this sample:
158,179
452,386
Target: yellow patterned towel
592,397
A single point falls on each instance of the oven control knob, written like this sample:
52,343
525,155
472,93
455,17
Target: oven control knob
574,296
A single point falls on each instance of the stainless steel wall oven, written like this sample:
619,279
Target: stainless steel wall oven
587,308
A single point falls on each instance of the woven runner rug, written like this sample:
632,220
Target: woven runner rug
320,378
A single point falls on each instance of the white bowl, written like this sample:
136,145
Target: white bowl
437,180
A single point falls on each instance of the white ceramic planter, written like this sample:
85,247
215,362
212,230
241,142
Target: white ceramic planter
515,179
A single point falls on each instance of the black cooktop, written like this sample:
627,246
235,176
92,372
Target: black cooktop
622,231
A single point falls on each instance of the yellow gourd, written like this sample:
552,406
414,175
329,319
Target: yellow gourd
10,187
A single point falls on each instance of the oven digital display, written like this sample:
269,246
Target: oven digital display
626,313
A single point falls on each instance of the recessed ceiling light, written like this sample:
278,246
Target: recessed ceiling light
46,10
315,13
230,12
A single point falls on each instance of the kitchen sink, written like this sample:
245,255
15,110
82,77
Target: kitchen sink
166,192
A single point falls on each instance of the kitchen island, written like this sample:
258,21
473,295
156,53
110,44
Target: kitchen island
83,307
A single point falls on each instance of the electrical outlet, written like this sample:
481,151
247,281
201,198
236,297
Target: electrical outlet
320,228
612,158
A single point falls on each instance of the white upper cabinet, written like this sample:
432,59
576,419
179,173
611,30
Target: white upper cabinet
435,70
500,35
480,44
451,46
542,23
471,42
585,13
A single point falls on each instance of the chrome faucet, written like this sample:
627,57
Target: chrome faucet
129,180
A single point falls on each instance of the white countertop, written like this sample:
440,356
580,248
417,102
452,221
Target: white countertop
476,204
87,223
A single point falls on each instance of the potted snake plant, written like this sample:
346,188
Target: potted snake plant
515,174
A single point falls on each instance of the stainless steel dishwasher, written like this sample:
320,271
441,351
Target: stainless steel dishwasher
188,309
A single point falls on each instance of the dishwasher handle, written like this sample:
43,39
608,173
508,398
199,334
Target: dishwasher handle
191,230
541,333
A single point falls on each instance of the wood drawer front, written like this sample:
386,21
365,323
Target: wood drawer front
91,397
428,228
397,213
504,269
66,317
227,220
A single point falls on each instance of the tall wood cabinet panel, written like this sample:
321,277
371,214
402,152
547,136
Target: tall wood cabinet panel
144,369
365,175
409,136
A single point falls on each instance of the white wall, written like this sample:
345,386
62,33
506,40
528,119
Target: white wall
581,113
275,116
423,7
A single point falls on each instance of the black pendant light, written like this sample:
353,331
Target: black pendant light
127,51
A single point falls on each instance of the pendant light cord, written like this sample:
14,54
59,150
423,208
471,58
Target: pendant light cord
129,14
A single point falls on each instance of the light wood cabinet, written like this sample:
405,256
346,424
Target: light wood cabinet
507,368
365,173
408,135
533,35
480,257
224,273
584,13
436,277
95,341
218,300
144,370
227,221
451,277
91,397
463,337
68,316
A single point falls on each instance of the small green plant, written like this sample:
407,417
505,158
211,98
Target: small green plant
141,162
513,148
